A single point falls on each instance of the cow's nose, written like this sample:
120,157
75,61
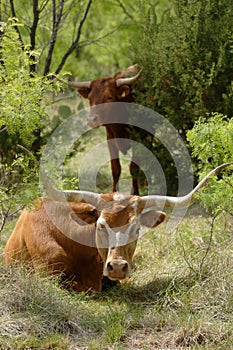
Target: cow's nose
118,269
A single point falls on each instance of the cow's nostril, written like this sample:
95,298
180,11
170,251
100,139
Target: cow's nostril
125,267
109,267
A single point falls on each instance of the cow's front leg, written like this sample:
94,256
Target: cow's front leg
134,171
115,164
116,172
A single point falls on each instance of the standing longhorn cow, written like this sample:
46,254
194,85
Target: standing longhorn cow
101,94
85,235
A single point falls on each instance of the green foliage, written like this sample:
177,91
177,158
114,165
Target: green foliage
105,34
22,114
107,38
19,183
211,140
22,108
188,63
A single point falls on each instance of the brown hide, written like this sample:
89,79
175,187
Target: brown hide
36,238
101,94
77,241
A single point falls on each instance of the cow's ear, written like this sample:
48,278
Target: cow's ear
124,91
152,218
84,92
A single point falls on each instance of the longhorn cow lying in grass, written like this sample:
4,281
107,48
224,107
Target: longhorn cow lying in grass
101,94
85,235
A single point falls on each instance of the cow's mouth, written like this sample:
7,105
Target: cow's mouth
117,278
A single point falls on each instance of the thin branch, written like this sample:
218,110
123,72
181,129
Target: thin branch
76,41
34,24
63,19
3,129
4,217
56,22
185,256
89,42
125,10
13,12
43,5
5,214
67,10
28,152
206,251
209,243
33,29
64,98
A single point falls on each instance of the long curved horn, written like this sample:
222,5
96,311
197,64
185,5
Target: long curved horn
179,202
80,84
85,196
124,72
72,195
128,81
76,84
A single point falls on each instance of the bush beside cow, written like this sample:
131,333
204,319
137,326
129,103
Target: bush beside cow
85,236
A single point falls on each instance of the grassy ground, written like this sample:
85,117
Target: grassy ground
179,296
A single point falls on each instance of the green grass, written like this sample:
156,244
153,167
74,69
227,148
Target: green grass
180,296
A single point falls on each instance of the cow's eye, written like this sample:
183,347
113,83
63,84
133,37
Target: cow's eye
138,231
134,235
100,227
110,98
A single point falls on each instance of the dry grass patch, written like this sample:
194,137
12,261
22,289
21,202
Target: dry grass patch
180,296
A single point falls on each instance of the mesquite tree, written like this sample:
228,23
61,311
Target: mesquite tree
51,28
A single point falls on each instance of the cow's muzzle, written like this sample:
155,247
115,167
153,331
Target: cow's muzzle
117,269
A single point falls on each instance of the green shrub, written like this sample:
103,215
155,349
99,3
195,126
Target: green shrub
211,140
188,64
22,115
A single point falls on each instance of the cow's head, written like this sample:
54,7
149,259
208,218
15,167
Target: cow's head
117,232
120,218
102,92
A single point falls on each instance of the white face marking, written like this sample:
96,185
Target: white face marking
135,206
116,239
118,197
